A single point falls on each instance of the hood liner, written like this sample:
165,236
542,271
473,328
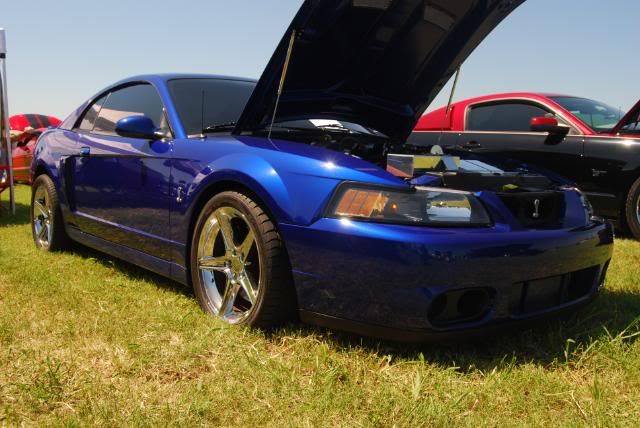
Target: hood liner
378,63
626,118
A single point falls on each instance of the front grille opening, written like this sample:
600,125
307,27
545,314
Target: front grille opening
544,294
460,306
582,282
536,210
438,306
473,303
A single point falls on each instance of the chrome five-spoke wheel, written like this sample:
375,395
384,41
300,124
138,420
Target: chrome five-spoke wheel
239,266
229,264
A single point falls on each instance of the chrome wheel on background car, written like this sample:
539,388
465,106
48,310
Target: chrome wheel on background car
229,264
47,225
239,267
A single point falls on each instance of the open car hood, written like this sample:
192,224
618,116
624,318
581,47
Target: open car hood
631,115
377,63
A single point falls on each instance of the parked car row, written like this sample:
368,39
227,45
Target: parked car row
305,195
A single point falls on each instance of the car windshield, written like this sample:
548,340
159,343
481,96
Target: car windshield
599,116
209,105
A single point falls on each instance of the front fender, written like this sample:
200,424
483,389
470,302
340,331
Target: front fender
293,181
43,159
248,171
287,197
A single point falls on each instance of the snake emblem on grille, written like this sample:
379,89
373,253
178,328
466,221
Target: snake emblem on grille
536,210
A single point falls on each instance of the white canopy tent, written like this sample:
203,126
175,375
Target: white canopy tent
5,136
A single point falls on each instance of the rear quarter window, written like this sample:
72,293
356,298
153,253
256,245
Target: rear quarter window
91,114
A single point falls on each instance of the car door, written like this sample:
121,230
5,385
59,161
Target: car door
504,128
120,186
613,164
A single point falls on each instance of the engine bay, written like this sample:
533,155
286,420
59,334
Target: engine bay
533,200
421,165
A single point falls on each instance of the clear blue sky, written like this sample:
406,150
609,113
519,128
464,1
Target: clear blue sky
61,52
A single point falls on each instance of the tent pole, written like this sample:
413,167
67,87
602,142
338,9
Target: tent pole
5,118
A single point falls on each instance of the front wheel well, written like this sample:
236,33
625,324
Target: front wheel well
40,169
210,192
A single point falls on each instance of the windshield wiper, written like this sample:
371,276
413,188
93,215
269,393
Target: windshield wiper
336,127
282,127
314,129
219,127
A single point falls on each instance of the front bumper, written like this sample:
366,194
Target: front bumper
388,278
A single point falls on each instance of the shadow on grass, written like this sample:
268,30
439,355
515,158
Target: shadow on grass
21,217
613,315
132,271
624,234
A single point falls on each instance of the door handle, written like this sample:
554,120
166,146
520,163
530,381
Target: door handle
85,151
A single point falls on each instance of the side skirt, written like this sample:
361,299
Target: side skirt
138,258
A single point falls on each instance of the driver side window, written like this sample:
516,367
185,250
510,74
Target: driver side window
504,117
139,99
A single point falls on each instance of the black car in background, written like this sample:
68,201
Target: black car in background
591,144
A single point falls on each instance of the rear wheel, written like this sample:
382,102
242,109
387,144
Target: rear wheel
632,209
47,226
239,267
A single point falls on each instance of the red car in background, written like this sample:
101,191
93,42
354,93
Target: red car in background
25,130
590,143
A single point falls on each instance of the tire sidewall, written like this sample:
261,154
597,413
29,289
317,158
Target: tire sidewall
633,222
45,182
234,200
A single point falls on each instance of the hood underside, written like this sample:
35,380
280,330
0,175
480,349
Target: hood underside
378,63
631,116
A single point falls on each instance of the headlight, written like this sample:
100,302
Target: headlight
419,206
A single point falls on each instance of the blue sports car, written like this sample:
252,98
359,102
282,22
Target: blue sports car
299,196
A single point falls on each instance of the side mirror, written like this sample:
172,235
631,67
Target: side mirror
548,124
137,127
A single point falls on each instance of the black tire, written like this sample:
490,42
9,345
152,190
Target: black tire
275,302
632,210
44,197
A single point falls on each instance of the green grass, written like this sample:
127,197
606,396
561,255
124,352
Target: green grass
87,339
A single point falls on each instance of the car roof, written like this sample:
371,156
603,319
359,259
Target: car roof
489,97
439,119
165,77
158,79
